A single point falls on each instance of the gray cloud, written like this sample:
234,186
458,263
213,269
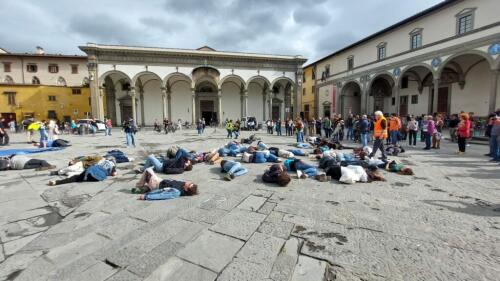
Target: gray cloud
311,29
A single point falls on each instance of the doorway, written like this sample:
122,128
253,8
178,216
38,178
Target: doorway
276,112
207,110
378,103
442,102
403,106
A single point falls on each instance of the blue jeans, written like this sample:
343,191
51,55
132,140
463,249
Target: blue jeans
394,137
162,194
350,133
297,152
229,133
428,139
309,170
200,130
300,136
364,139
183,153
234,168
107,132
495,147
130,139
152,161
236,134
278,130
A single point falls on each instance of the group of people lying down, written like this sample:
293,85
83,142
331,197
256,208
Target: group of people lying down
332,164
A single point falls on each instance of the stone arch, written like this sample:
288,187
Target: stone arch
61,81
143,73
232,78
470,52
255,78
205,73
275,81
35,80
119,73
171,79
412,66
386,75
350,98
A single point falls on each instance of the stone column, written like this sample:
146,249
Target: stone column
169,104
141,98
264,103
219,101
134,112
164,102
364,99
493,90
101,99
244,103
396,96
270,96
433,97
193,105
95,95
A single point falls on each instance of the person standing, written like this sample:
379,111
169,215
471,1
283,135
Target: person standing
436,137
327,126
412,128
431,129
4,136
236,129
495,138
290,127
318,127
129,128
312,127
278,127
394,127
463,132
12,126
349,123
300,130
379,134
199,127
109,126
364,128
453,127
204,124
229,129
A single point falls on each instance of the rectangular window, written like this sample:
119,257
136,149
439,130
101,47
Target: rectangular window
464,24
74,69
52,98
6,67
350,63
76,91
11,98
414,99
393,101
313,74
327,70
381,53
31,67
313,90
304,91
416,41
53,68
404,83
51,114
306,108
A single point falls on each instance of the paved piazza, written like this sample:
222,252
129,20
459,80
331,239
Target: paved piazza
441,224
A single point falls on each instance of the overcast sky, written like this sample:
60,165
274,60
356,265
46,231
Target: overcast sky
312,29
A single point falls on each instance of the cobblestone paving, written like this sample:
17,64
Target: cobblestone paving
441,224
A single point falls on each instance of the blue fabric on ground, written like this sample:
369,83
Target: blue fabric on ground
119,156
21,151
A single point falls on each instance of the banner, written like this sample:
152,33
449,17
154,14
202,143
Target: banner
334,100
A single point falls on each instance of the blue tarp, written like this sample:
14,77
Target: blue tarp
19,151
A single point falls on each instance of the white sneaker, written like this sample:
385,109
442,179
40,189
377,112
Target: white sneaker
299,174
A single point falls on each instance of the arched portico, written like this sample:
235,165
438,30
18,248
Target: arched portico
415,86
281,103
381,90
259,93
350,98
177,91
148,88
117,88
234,91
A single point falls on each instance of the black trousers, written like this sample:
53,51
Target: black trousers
462,143
35,164
412,139
4,139
378,144
76,178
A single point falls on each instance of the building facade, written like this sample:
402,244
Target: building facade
308,106
43,86
444,59
178,84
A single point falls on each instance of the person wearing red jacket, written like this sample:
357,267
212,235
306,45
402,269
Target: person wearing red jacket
463,132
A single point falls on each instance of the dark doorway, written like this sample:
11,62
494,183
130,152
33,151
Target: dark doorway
403,106
207,110
276,112
9,116
442,102
126,112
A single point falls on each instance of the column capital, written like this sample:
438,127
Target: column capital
132,91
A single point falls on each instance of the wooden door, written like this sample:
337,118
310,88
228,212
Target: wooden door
442,102
403,106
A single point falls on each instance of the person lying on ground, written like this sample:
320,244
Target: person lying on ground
276,174
171,189
250,139
281,152
232,169
77,165
53,143
97,172
149,181
259,157
119,155
304,170
212,157
21,162
400,168
168,166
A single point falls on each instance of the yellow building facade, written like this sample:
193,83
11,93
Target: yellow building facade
308,102
43,86
44,102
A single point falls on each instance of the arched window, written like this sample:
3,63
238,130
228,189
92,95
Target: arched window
61,81
85,81
35,81
8,80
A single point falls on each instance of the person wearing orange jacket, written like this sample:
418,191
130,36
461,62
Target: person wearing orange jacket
379,134
394,128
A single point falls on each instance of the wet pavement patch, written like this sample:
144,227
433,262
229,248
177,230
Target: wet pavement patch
82,215
313,247
49,219
438,190
334,203
14,275
74,201
400,184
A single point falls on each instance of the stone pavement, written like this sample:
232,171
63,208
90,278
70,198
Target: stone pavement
441,224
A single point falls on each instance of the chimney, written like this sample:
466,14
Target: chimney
39,51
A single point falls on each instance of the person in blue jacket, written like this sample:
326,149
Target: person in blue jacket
97,172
